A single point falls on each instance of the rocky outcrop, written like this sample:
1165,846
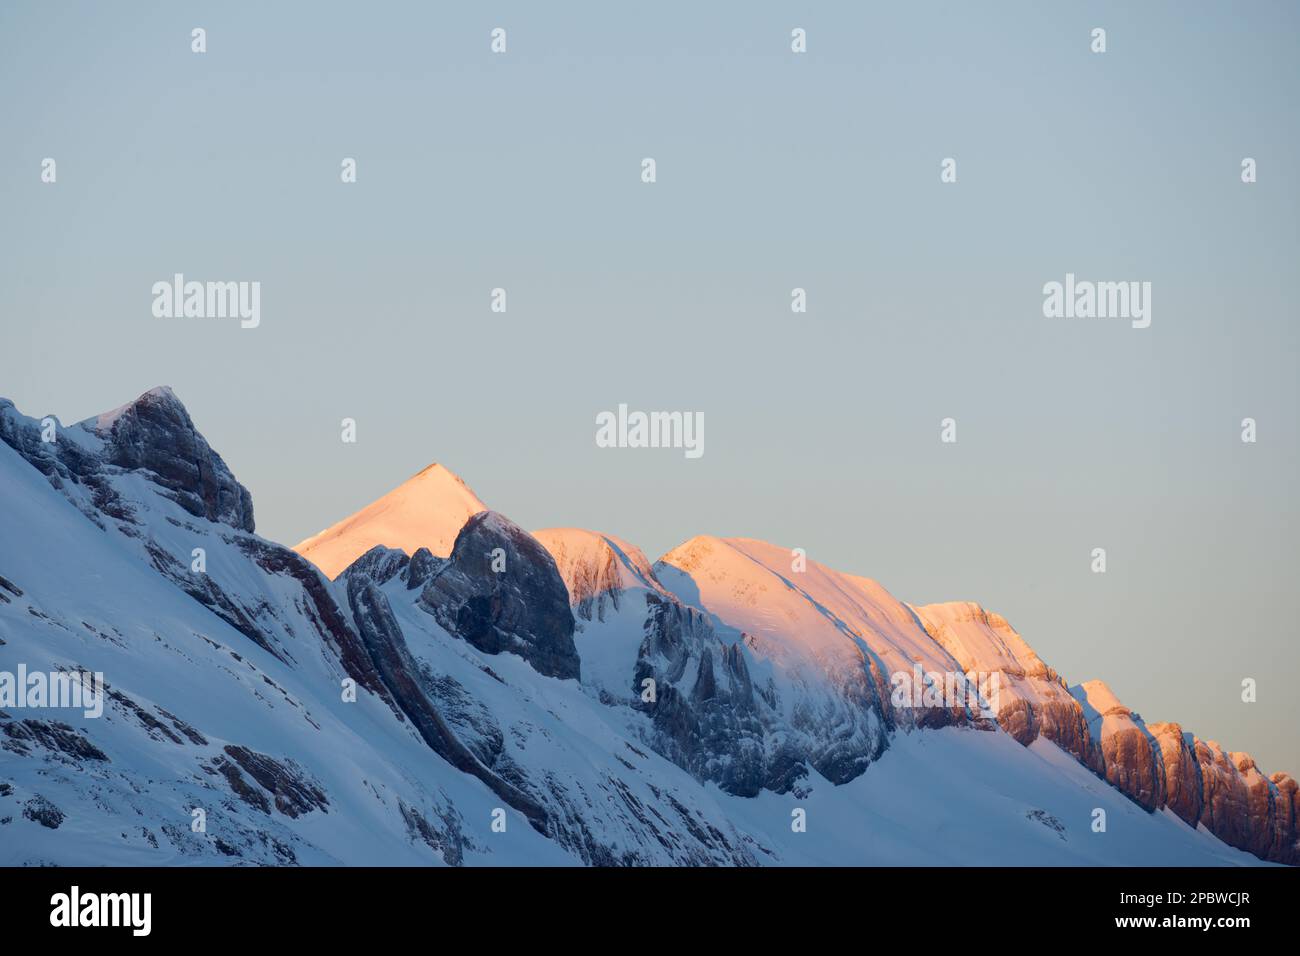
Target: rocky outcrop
379,564
820,704
292,792
699,696
421,568
1154,766
1031,699
597,569
1262,809
386,645
501,592
155,434
40,809
1225,800
1286,829
1132,758
1228,795
324,612
53,735
708,714
1184,791
71,460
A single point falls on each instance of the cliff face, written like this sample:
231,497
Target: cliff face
1132,759
1184,790
1032,701
1154,766
1204,785
500,591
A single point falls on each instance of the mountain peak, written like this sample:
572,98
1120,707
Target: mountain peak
160,396
425,511
435,472
597,568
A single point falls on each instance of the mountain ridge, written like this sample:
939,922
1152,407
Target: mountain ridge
773,684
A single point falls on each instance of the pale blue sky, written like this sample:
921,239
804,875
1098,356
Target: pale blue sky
775,171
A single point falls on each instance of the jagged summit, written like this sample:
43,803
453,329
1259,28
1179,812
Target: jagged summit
425,511
154,435
159,396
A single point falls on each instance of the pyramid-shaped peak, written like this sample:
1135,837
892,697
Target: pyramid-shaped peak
425,511
436,472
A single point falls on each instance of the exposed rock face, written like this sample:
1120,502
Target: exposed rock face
1261,806
1228,795
708,714
500,591
1286,831
421,568
703,705
380,564
155,433
597,569
1155,767
1032,699
53,735
387,647
325,614
447,841
1184,791
40,810
291,790
811,678
1225,799
1160,766
1132,758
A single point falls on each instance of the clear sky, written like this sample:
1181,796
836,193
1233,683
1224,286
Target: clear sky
775,170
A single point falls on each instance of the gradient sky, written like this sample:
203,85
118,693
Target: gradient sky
774,171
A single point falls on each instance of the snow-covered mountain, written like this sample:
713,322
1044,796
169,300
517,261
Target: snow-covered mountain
455,690
425,511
